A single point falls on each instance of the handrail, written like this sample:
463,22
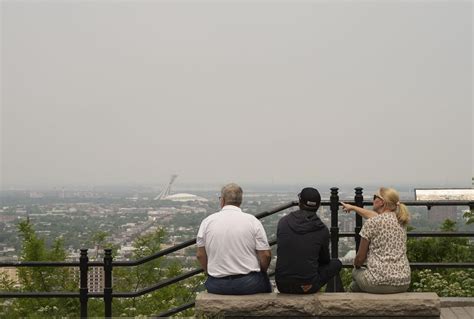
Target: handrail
424,234
159,285
42,294
39,264
156,255
108,294
176,310
170,281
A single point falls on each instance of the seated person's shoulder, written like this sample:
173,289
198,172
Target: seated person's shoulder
250,216
282,219
374,220
210,217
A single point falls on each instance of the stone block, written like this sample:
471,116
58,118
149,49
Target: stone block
320,305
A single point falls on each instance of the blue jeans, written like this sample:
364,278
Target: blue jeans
252,283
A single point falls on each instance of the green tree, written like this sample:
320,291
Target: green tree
152,272
445,282
440,249
125,279
99,242
469,216
38,279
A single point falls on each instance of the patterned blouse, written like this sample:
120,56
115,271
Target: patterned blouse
387,262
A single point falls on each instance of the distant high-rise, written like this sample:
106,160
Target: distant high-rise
95,278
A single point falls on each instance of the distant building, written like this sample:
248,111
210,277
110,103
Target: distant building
182,197
95,278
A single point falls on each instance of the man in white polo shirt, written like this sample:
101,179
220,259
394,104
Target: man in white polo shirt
233,248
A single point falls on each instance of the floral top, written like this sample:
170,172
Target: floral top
387,262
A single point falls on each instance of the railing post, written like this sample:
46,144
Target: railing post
335,283
83,290
359,201
108,282
334,206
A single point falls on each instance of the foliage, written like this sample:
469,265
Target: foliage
445,282
99,242
126,279
6,283
152,272
346,277
37,279
469,216
441,249
459,283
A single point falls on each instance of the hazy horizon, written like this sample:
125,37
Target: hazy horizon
270,93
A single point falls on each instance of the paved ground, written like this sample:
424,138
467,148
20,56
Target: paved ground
457,308
457,313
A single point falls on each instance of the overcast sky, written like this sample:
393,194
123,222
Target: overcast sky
107,92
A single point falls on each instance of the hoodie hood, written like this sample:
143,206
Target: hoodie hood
303,221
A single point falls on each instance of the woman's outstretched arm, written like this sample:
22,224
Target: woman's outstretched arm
366,213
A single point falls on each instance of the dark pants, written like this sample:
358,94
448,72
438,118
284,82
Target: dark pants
326,272
252,283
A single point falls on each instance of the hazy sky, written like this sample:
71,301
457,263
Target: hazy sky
108,92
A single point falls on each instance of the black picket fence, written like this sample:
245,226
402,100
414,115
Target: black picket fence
108,263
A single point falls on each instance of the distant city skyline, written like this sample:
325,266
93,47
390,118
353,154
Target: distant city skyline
258,93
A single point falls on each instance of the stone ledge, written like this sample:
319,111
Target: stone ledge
340,305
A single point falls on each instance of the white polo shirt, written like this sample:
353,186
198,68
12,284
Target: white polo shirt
231,238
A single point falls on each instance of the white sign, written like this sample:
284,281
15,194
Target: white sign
444,194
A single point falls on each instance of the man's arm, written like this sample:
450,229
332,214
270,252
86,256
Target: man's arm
201,256
264,258
361,253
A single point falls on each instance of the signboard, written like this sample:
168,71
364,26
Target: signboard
444,193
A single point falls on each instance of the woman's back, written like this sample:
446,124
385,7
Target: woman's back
387,263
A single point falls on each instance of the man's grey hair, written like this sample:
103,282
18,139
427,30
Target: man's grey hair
232,194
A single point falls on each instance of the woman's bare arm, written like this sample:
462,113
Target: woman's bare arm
361,253
366,213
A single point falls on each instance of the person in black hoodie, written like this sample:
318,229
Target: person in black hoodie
303,261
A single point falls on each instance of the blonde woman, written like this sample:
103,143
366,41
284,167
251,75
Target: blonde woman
382,246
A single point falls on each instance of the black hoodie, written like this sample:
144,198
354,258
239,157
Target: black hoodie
303,244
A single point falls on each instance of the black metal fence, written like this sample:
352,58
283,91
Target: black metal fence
84,295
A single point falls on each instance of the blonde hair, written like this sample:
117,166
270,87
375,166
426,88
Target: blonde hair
392,200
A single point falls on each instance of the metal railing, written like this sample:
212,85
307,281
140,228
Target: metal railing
84,295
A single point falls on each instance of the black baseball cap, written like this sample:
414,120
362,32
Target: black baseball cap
310,197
